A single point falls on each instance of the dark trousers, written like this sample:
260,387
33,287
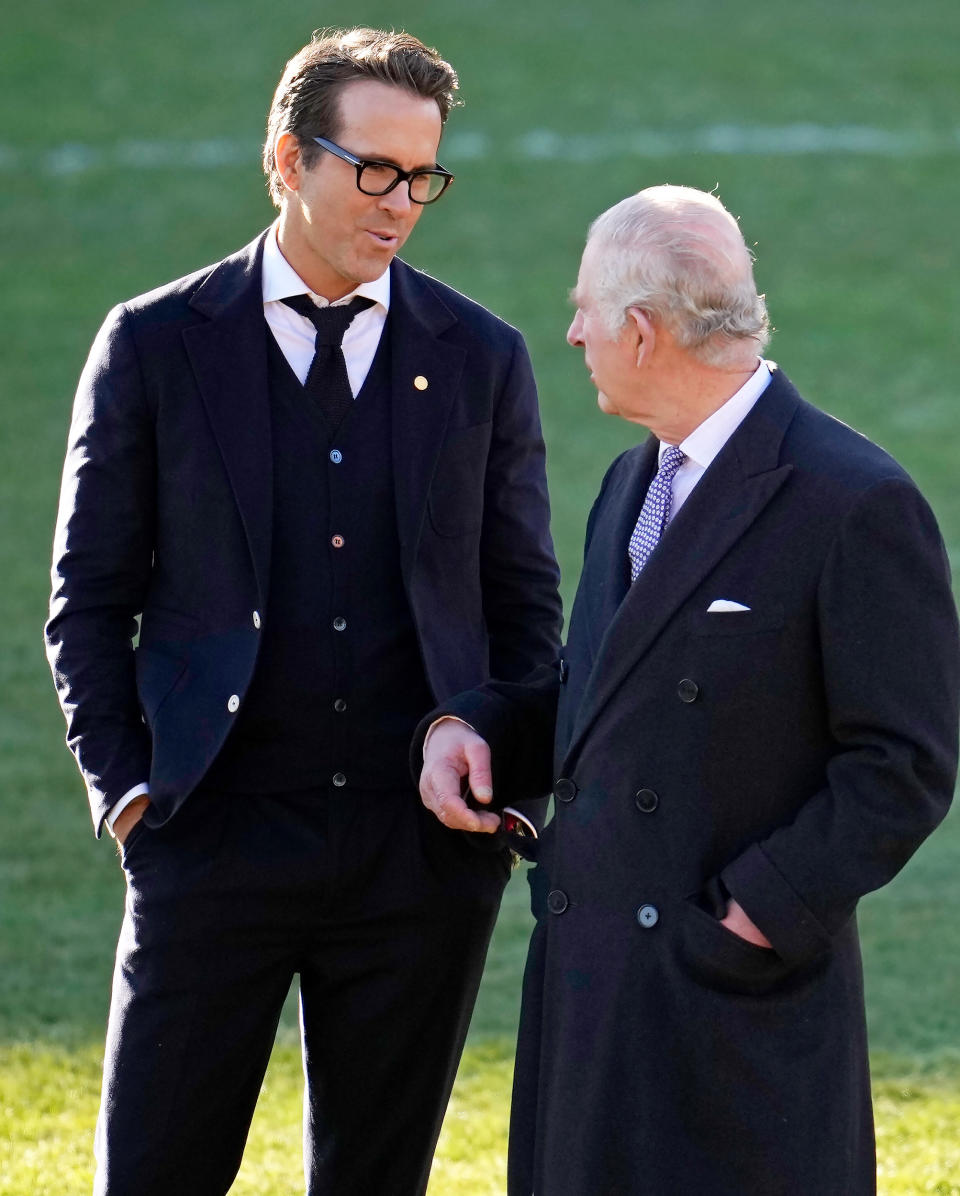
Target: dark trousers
383,914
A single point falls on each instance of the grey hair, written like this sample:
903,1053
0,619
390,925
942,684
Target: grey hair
677,254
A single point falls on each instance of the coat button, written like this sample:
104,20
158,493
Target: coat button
647,801
648,916
337,541
340,705
339,780
564,671
565,789
687,690
257,620
339,623
557,901
336,456
233,703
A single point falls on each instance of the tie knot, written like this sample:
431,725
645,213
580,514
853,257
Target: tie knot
331,322
671,461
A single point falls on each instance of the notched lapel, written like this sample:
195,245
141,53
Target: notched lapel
425,375
229,358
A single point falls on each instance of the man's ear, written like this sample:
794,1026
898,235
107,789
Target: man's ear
286,154
641,332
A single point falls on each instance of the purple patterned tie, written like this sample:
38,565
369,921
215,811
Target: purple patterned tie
655,511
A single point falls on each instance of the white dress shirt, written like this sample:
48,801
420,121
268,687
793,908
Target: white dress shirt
296,337
705,441
294,333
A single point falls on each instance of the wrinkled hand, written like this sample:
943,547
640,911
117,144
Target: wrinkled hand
128,818
738,922
453,751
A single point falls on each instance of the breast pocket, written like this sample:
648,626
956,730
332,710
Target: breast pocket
740,622
455,504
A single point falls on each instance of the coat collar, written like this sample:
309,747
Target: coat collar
740,482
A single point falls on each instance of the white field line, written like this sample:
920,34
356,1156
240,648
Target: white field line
546,145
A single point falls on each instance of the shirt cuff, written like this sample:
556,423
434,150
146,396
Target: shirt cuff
116,810
444,718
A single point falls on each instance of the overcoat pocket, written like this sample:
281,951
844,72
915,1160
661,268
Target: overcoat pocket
719,959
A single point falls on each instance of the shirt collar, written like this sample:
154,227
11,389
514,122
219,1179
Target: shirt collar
705,441
280,280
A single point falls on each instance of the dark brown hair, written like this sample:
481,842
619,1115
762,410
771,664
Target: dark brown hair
306,100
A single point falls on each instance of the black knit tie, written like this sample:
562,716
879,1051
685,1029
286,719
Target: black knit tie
327,382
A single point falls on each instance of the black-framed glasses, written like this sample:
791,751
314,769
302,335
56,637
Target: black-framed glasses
380,178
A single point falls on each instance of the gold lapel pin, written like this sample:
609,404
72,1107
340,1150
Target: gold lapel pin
420,382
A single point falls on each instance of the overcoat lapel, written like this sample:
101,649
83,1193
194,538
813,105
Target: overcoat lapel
425,376
229,358
737,486
606,561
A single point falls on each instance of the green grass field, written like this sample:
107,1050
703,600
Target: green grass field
128,155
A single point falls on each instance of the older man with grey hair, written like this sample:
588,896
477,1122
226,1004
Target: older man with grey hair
753,724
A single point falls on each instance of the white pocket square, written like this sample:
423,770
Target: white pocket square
720,605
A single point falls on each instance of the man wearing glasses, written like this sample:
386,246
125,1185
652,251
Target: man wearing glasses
317,477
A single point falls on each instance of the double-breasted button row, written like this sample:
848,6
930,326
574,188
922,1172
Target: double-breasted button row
558,903
565,790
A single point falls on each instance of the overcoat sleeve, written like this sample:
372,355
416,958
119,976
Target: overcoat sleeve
102,555
891,675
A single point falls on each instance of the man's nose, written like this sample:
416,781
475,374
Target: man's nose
398,200
574,331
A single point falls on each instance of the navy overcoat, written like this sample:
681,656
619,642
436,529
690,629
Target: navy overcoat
793,754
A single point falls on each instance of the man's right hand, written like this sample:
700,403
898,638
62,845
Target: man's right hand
451,752
128,818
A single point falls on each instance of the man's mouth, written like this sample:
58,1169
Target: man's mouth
384,237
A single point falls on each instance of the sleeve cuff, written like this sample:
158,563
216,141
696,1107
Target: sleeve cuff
773,905
117,809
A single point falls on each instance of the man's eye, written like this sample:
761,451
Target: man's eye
377,173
